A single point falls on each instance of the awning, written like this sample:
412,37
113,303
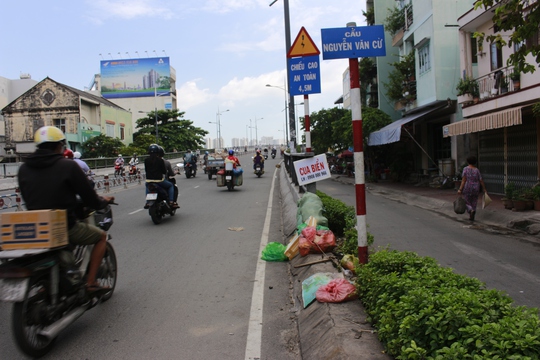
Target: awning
392,132
491,121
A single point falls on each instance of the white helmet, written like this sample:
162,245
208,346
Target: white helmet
77,155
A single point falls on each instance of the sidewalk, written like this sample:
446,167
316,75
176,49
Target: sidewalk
441,201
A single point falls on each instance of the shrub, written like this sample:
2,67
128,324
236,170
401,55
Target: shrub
424,311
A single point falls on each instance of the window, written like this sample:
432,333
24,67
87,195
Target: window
424,59
61,124
109,130
122,133
474,50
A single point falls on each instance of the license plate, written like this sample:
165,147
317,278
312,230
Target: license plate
151,196
13,289
228,177
258,169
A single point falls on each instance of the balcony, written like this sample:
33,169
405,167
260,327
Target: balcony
496,84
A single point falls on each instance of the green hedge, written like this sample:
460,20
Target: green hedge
424,311
342,222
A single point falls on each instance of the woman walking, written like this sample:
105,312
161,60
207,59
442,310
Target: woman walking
471,186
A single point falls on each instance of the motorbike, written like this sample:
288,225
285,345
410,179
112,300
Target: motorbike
273,154
133,170
48,288
265,154
258,170
190,170
157,201
118,170
227,177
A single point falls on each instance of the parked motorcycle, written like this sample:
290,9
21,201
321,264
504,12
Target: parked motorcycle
157,200
48,288
190,170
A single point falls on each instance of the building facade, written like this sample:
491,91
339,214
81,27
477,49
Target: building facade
79,114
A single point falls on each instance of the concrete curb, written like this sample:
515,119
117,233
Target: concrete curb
326,331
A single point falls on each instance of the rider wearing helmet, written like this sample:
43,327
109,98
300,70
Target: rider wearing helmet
155,169
49,181
84,166
134,160
258,159
233,159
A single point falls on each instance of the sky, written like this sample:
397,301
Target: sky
224,51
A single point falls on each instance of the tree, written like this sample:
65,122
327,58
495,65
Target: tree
523,19
174,133
101,145
332,128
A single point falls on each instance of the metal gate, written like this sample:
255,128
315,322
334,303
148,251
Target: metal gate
520,152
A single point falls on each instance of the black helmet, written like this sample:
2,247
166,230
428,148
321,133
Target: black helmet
153,149
161,151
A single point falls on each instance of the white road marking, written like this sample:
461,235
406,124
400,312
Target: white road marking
254,336
136,211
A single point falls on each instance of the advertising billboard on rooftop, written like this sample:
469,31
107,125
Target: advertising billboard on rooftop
135,77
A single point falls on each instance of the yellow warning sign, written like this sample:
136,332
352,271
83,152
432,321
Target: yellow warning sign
303,45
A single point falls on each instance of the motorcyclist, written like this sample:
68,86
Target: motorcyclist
155,169
274,150
48,181
134,160
119,160
265,153
258,160
170,174
84,167
119,165
233,159
191,158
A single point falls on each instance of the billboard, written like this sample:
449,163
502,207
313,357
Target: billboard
135,77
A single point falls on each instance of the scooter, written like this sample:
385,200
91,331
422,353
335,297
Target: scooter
259,170
133,170
265,154
157,201
190,170
48,288
118,170
273,154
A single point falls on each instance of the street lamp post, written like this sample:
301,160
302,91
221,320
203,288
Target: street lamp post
155,111
256,134
285,110
292,121
217,131
218,119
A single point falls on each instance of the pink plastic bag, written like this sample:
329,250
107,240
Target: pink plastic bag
316,241
336,291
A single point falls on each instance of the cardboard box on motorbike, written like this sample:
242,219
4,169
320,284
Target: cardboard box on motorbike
37,229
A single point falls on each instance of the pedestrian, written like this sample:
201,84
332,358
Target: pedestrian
471,186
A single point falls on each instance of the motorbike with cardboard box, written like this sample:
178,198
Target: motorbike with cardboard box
230,177
45,278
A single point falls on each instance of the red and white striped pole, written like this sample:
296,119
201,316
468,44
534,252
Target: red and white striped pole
358,144
307,132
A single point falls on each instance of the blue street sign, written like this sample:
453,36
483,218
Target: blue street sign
353,42
304,75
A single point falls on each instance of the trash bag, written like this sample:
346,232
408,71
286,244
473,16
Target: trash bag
349,262
487,200
314,241
310,205
336,291
238,170
459,205
274,251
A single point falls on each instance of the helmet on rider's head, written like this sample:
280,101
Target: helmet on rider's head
119,155
161,151
206,152
153,149
76,155
48,134
258,151
231,152
135,155
68,154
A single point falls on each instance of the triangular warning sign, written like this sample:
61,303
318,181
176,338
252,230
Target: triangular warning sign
303,45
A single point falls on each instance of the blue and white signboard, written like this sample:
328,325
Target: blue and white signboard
353,42
304,75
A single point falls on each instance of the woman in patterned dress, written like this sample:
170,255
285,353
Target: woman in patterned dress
471,186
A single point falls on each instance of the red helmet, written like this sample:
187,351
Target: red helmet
68,154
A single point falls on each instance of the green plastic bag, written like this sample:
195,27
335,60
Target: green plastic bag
274,251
